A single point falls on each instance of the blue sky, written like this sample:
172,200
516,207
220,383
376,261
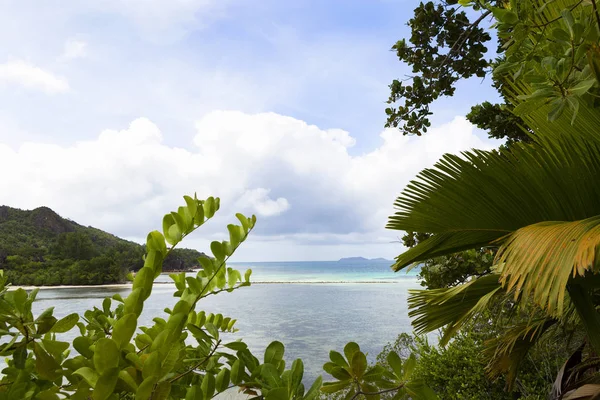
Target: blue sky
111,110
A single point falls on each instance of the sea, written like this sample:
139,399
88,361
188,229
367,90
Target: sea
312,307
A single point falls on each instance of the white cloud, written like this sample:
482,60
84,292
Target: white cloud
299,176
259,200
21,73
74,48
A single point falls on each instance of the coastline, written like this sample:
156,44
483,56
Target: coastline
127,285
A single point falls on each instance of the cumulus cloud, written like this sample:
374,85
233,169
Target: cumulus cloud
298,178
22,73
74,48
259,200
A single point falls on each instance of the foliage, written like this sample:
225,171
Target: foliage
39,247
355,377
555,50
445,46
188,354
457,370
535,202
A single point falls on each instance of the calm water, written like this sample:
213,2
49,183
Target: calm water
309,318
322,271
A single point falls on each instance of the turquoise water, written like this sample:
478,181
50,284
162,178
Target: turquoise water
370,271
310,318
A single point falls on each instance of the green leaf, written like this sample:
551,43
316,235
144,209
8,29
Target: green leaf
146,387
271,375
395,362
151,366
350,349
212,330
19,299
124,329
337,358
217,250
237,370
156,241
561,35
20,356
208,385
88,374
375,373
222,380
332,387
558,106
419,391
568,19
244,221
106,355
297,372
359,364
82,346
65,324
194,393
236,346
105,385
274,353
582,87
409,366
170,358
129,380
235,234
162,391
210,207
45,365
313,392
279,393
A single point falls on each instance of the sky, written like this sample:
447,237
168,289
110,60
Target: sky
112,110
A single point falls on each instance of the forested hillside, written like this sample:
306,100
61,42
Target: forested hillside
39,247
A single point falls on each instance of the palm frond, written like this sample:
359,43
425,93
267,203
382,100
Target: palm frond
443,244
508,351
451,307
483,196
540,259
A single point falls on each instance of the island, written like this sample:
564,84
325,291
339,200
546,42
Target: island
361,259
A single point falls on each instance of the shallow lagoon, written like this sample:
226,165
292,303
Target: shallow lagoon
309,318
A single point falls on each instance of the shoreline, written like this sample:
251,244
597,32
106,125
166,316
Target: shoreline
128,285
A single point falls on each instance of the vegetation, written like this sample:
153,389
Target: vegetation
39,247
188,354
533,204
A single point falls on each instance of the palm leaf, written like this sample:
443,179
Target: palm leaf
508,351
451,307
483,196
540,259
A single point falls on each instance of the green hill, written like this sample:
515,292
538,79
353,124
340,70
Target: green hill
39,247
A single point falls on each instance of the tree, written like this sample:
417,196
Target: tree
447,45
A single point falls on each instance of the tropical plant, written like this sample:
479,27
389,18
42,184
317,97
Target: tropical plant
188,354
536,204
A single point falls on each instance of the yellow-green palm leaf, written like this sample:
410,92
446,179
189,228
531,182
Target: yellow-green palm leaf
540,259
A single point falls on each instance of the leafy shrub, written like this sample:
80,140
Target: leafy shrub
187,354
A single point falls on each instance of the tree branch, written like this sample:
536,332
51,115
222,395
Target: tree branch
376,393
461,40
196,365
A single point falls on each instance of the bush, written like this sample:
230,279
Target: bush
188,354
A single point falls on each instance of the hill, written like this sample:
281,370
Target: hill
39,247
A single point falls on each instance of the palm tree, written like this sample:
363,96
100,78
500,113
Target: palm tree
538,204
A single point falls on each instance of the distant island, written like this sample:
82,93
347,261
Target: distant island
361,259
39,247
